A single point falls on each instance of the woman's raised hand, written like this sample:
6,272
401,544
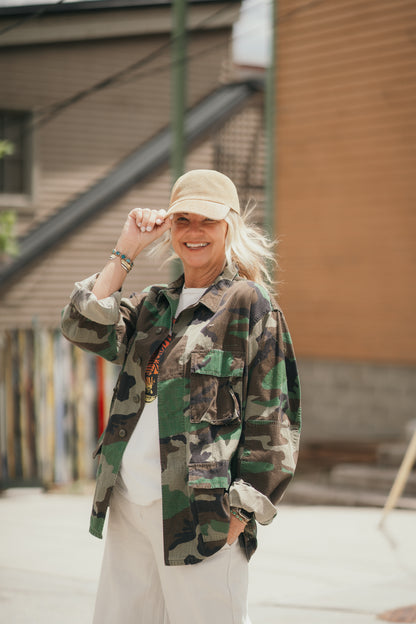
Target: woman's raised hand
142,227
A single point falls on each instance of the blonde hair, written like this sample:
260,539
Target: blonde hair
250,249
246,246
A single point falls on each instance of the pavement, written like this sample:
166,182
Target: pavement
314,565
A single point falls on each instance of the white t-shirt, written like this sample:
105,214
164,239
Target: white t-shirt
139,477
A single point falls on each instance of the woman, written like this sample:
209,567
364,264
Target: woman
203,433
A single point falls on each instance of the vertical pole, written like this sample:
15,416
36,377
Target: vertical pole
401,478
178,106
178,99
270,104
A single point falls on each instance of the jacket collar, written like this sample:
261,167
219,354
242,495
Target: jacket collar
212,296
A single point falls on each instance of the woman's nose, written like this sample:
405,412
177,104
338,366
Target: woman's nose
194,228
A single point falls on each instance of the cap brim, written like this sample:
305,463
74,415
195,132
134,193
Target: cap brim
206,208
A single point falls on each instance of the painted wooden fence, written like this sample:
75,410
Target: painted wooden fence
54,400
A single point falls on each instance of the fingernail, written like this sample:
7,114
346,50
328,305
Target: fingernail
158,221
143,229
149,228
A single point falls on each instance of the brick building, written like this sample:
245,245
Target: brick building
345,211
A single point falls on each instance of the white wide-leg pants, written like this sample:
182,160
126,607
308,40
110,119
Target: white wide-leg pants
137,588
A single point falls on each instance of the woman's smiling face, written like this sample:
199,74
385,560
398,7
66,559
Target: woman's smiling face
200,244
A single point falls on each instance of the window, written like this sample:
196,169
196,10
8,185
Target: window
15,168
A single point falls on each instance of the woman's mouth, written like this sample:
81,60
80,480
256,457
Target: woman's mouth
195,245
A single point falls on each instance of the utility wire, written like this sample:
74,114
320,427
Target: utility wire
205,51
45,8
132,71
33,15
300,9
168,65
53,110
126,75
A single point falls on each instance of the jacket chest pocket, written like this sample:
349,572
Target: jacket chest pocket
216,387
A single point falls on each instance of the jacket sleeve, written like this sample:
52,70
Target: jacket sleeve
101,326
271,421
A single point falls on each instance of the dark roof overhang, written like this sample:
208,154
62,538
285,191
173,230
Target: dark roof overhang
94,5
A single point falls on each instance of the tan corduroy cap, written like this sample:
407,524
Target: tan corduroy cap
206,192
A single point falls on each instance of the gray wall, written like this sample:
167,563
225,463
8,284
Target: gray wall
356,401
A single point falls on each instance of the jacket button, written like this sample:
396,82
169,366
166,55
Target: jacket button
159,330
122,433
136,398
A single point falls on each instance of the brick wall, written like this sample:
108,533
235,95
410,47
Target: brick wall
346,195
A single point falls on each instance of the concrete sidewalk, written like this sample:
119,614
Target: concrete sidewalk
315,565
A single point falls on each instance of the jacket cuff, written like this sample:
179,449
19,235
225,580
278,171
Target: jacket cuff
104,311
244,495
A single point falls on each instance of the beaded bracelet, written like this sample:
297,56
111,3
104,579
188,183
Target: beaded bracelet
238,516
126,263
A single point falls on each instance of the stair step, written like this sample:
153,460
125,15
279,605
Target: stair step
369,478
327,454
304,492
391,453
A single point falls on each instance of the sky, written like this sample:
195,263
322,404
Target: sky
252,33
251,36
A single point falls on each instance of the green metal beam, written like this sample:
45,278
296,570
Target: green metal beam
178,100
270,103
179,90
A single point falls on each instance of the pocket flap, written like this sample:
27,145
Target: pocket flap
209,475
217,363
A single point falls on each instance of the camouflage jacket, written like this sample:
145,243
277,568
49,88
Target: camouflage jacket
228,404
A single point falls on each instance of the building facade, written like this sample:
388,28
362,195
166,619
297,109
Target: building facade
85,100
345,211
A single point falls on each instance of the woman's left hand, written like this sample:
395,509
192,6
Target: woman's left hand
236,527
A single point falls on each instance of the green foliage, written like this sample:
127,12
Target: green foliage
8,243
6,148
